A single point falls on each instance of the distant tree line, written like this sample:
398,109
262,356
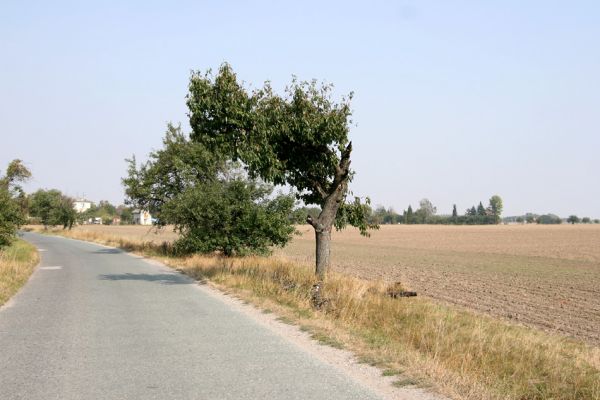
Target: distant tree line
550,219
426,214
50,207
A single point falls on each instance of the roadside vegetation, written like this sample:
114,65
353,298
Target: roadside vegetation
459,353
17,258
17,262
12,201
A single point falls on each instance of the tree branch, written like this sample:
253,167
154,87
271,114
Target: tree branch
315,223
319,189
343,169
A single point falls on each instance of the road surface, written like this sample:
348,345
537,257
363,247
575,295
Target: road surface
96,323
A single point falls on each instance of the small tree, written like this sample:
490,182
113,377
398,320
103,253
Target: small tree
573,219
126,214
300,140
12,214
481,210
586,220
454,212
52,208
65,214
496,207
426,210
409,215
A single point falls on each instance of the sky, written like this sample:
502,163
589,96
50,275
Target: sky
455,101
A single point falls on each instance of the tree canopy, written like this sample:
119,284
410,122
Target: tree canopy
211,202
52,208
299,139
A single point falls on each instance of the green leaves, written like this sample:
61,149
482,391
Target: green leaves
52,208
356,214
12,199
496,207
295,139
299,139
234,217
210,201
180,164
220,111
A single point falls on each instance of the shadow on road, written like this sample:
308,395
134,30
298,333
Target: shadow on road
108,251
165,279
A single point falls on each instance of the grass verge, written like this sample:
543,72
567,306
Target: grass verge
16,265
458,353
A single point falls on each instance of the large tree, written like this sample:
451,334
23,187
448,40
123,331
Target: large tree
299,139
210,202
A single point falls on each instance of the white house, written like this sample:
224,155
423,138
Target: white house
142,217
82,205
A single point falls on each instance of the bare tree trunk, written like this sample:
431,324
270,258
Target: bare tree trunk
333,198
323,226
323,240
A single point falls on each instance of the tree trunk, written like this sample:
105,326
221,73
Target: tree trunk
323,226
323,240
332,200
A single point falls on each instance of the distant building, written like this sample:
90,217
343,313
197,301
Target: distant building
82,205
142,217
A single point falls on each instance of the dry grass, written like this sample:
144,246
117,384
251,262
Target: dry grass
17,262
460,353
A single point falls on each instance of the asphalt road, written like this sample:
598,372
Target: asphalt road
97,323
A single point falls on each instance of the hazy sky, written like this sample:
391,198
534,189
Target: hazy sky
454,100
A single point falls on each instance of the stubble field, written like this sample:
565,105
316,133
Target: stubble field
542,276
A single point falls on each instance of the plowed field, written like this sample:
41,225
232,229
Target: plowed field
544,276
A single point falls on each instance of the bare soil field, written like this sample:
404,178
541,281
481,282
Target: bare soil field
542,276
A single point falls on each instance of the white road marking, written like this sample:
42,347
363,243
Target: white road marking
53,267
41,249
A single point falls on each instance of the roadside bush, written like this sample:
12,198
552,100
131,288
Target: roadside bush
11,217
234,217
12,201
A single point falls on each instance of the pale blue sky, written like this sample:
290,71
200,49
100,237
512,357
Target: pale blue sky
454,100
